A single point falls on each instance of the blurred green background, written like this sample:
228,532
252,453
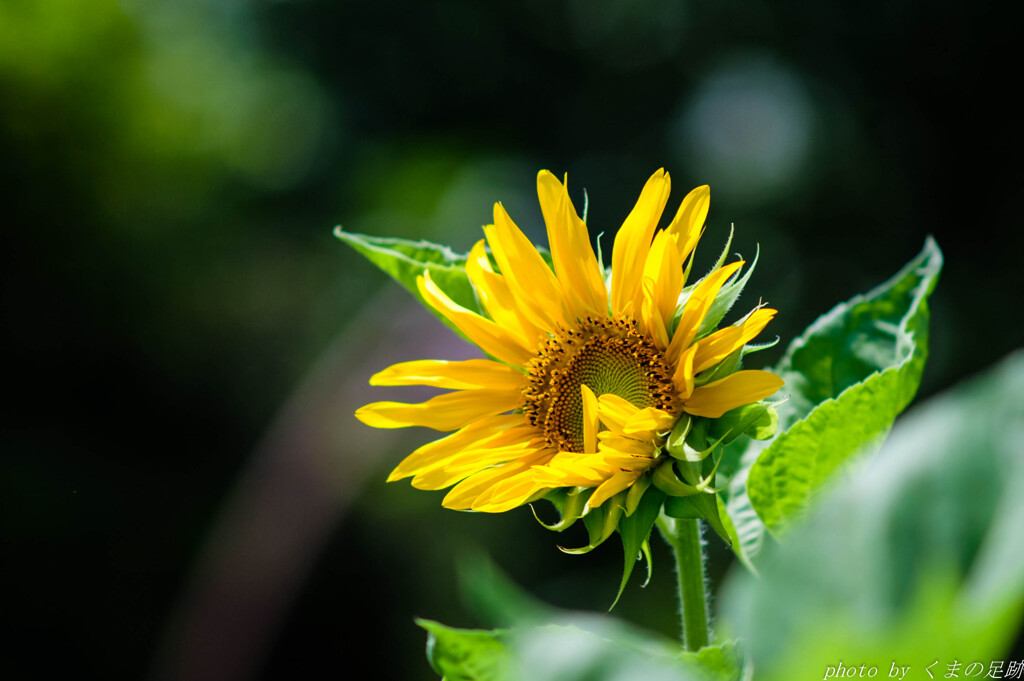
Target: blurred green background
184,492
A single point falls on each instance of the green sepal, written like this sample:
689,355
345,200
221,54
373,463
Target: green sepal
405,261
611,511
697,445
684,295
467,654
704,506
645,549
683,478
726,298
758,420
667,480
689,266
726,367
708,468
698,435
697,441
690,472
636,492
635,530
751,348
601,523
683,452
570,504
723,256
677,437
679,446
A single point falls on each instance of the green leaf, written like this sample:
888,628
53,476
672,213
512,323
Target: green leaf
915,557
719,662
885,329
549,644
603,649
635,529
465,654
406,260
848,377
737,542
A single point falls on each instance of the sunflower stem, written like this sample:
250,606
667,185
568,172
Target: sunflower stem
684,536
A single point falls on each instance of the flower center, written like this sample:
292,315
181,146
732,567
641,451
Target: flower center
606,355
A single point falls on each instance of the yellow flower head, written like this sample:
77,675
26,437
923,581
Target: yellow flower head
590,371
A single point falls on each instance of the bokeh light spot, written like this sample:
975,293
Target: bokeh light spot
748,126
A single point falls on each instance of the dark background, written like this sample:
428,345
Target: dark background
184,492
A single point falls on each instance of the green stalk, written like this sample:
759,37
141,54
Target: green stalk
684,536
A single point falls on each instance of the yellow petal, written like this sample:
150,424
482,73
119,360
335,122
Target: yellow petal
724,342
450,411
497,298
662,282
491,338
682,378
568,469
614,445
534,285
615,411
591,419
629,252
735,390
612,486
623,461
621,417
571,253
697,307
510,493
689,220
479,432
498,451
652,322
463,495
467,462
647,422
471,373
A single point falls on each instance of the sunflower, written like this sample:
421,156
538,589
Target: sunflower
589,371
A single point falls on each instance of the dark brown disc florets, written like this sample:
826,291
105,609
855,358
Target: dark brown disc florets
607,355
